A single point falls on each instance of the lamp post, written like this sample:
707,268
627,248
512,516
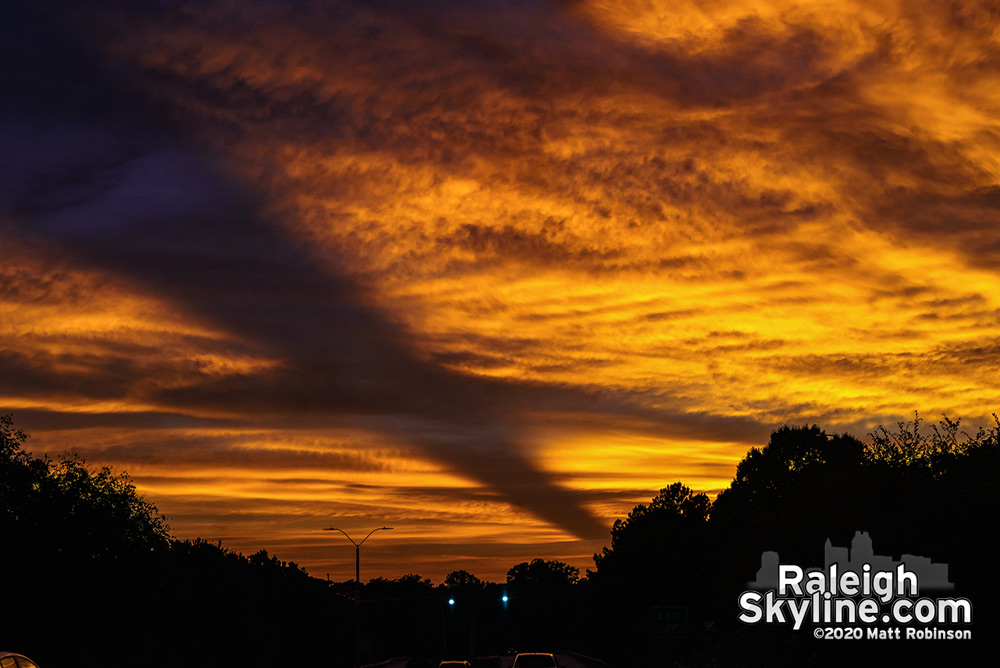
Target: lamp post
357,578
357,548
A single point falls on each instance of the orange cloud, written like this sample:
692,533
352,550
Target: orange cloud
579,249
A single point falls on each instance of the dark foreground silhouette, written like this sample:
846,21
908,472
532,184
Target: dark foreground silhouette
91,576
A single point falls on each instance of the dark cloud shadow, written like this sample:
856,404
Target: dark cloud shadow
109,189
98,175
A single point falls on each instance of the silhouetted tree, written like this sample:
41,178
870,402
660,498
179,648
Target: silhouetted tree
542,605
464,582
64,510
542,576
928,492
76,542
85,553
659,555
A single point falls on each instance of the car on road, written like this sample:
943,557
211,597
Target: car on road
454,664
12,660
535,660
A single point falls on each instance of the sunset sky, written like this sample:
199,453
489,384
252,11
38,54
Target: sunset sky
488,273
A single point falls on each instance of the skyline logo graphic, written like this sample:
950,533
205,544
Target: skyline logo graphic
932,576
858,594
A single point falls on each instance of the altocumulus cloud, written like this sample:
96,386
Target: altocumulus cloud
457,224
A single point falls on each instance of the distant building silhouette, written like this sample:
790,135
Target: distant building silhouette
930,576
767,574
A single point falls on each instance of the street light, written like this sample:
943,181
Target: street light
357,548
357,578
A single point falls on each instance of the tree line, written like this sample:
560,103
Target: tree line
93,577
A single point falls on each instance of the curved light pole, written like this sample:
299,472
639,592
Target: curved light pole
357,578
357,548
